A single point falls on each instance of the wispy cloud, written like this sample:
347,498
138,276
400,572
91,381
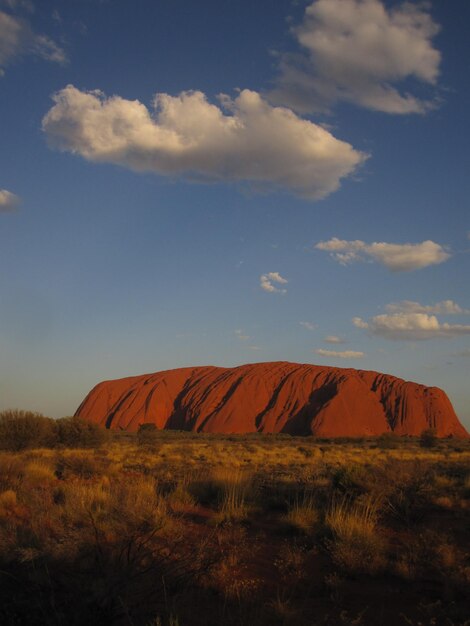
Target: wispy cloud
395,256
8,201
26,5
446,307
266,282
308,325
344,354
244,338
334,339
360,51
410,320
187,136
17,38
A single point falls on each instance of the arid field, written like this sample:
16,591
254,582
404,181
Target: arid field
235,250
180,529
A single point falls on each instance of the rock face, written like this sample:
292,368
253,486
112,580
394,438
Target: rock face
275,397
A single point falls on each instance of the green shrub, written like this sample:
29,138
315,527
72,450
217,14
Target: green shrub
147,434
74,432
428,438
11,471
388,441
205,491
77,465
410,489
20,430
24,429
349,479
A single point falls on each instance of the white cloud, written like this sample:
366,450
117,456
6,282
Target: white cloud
266,282
244,139
308,325
359,322
395,256
409,256
17,38
8,201
410,326
334,339
446,307
345,354
358,51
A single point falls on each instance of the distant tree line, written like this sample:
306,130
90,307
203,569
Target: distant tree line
20,430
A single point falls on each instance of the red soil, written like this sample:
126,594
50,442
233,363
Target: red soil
273,398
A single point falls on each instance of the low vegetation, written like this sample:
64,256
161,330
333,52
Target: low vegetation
20,430
178,529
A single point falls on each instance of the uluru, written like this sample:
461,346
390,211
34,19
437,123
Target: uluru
276,397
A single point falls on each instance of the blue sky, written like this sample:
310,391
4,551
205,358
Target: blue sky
298,190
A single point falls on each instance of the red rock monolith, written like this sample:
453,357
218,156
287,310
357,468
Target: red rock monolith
277,397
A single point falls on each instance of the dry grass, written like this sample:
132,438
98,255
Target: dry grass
193,530
8,501
235,486
348,520
303,514
356,545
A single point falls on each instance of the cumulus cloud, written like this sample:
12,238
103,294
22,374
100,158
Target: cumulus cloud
8,201
395,256
359,51
243,139
359,322
308,325
446,307
414,326
266,282
334,339
17,38
345,354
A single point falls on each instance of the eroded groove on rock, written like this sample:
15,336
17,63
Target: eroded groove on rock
271,398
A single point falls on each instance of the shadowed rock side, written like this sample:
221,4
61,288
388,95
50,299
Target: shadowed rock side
272,398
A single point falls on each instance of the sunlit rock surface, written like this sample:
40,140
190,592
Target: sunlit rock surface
276,397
